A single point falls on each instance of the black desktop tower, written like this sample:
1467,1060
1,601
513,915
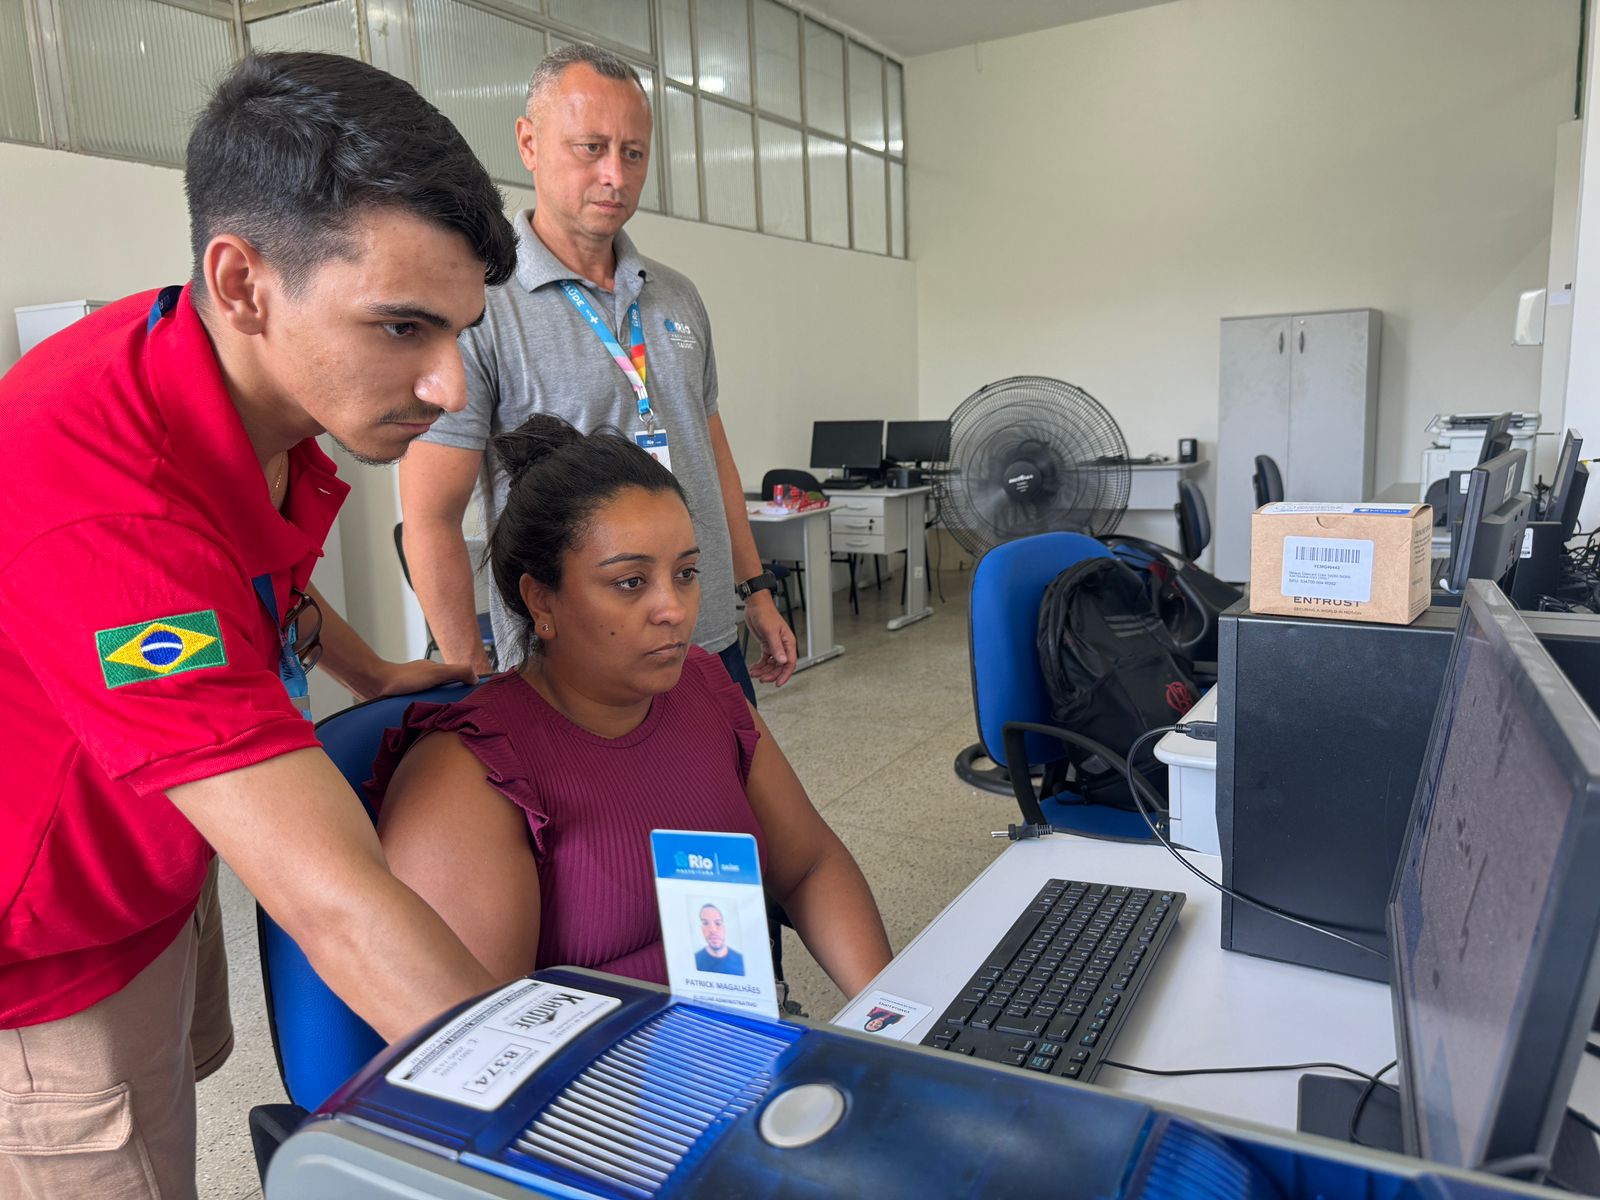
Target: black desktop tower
1322,728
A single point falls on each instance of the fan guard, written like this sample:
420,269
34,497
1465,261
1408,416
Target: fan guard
1031,455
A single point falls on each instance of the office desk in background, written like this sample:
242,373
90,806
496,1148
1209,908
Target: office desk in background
803,537
887,521
1151,497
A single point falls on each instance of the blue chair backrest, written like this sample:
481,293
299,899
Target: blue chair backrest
1007,585
318,1041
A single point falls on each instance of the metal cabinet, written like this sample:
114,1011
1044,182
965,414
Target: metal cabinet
1302,388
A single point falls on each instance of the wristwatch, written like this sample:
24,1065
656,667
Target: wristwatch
764,582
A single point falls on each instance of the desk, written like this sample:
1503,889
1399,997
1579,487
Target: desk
1202,1006
803,537
886,521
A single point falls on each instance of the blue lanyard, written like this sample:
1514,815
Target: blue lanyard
632,365
292,674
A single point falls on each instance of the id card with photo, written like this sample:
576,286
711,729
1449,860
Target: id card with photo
886,1016
714,920
654,443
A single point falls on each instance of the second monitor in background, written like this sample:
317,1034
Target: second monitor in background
854,448
918,443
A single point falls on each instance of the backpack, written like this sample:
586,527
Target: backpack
1112,669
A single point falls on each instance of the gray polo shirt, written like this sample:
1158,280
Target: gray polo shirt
534,353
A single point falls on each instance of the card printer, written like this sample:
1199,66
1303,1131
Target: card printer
583,1086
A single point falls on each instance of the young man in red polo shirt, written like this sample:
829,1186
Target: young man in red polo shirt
164,507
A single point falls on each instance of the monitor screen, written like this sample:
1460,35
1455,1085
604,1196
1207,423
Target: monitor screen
1489,510
856,444
1496,438
1561,484
1494,912
918,442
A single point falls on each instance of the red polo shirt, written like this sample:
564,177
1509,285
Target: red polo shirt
135,654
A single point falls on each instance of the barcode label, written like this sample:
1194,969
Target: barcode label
1328,554
1328,568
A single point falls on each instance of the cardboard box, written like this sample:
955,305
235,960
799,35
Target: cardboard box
1347,562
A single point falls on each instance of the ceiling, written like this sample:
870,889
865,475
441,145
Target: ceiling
907,28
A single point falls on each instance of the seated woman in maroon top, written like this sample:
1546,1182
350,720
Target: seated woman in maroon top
522,814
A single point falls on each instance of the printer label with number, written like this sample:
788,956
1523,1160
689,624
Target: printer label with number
1328,568
487,1052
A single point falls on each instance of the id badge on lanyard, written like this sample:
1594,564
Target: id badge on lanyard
290,673
652,439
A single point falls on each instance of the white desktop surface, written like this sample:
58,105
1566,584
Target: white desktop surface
1181,750
1202,1006
802,537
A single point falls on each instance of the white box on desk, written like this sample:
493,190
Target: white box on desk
1192,783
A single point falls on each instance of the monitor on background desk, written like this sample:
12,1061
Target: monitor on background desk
918,442
1494,514
1495,911
1568,485
853,447
1496,438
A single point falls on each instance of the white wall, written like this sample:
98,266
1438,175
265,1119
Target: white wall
802,332
1087,202
1583,373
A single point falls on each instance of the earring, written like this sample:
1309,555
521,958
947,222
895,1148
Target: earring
545,628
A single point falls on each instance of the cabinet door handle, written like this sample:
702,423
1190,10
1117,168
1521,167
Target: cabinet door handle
1280,341
1302,341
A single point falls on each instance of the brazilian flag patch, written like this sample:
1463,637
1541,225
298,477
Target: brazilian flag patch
155,649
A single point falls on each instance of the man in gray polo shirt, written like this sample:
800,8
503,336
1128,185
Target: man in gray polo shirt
548,346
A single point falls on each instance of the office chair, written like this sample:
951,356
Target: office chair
1194,520
806,482
1268,481
317,1041
485,625
1009,697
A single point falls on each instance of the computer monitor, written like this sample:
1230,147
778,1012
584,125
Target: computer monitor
917,442
854,445
1494,516
1495,909
1562,505
1496,438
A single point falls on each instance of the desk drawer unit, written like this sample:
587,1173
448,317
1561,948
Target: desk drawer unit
867,525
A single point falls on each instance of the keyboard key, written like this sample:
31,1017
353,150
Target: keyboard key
1040,1063
1022,1048
1011,1060
1080,1056
1072,1070
1029,1027
958,1014
1088,1039
985,1016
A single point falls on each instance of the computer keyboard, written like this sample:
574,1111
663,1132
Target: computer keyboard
1055,990
851,483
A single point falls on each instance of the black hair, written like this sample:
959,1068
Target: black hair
293,147
558,478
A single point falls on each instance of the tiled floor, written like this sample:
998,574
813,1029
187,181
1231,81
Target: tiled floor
872,735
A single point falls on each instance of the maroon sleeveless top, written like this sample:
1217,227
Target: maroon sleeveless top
591,802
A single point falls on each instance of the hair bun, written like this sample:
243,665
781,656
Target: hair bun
540,436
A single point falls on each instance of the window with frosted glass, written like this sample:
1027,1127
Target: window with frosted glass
783,180
866,97
866,201
896,89
728,158
683,175
475,66
329,28
650,195
777,36
824,79
722,34
19,113
137,72
830,197
677,51
897,209
626,22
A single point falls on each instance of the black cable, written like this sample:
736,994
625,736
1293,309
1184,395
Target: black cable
1137,781
1305,1066
1361,1102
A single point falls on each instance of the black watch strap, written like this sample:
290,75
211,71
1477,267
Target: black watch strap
764,582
